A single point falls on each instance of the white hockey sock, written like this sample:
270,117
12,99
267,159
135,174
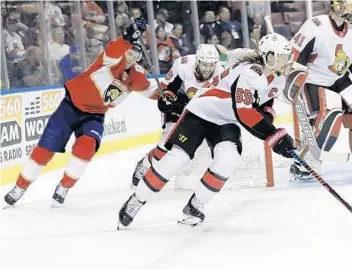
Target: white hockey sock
146,162
143,192
203,194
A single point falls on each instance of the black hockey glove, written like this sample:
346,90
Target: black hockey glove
135,30
170,104
281,142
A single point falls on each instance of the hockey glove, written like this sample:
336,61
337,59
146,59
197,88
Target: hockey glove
281,142
135,30
170,104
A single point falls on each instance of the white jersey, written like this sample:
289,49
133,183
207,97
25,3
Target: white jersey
238,98
183,77
325,51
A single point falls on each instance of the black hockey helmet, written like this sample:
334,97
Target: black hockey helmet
343,9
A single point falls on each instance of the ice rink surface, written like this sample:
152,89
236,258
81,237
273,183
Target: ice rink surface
292,226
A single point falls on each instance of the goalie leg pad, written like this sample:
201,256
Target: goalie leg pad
347,123
330,130
294,83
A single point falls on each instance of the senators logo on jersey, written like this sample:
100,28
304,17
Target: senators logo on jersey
341,62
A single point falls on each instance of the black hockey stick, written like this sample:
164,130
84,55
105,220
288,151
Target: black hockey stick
145,52
320,179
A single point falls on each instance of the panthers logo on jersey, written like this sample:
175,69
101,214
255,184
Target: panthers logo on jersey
341,62
115,89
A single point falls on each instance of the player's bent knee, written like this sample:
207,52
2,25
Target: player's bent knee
84,147
173,162
41,155
225,158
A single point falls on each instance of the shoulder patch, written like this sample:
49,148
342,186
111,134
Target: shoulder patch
316,21
257,69
184,60
169,75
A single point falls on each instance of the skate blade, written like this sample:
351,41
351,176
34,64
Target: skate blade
7,206
56,204
188,224
120,226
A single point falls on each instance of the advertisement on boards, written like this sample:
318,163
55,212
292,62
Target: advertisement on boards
11,129
38,107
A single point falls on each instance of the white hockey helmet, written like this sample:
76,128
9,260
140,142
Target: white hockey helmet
207,53
275,44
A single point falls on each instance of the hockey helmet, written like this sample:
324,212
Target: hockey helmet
207,53
275,44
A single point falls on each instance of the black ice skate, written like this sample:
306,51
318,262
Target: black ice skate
193,213
129,210
138,174
14,195
59,195
299,173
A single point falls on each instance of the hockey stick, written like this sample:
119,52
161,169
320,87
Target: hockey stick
313,146
320,179
145,52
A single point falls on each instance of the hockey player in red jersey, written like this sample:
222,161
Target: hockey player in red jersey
324,46
88,97
241,96
187,75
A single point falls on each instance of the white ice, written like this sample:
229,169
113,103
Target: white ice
291,226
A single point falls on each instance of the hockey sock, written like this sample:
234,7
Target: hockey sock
152,182
210,184
33,166
159,153
159,174
83,151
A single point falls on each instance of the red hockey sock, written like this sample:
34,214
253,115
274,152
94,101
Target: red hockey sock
22,182
33,166
82,152
41,156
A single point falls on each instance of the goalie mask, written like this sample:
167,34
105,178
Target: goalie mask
343,9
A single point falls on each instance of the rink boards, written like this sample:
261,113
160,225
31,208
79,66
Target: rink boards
24,115
135,122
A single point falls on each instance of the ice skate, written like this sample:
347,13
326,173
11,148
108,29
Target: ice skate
138,174
14,195
193,213
129,210
59,195
299,173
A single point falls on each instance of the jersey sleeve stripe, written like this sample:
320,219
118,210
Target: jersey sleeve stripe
216,93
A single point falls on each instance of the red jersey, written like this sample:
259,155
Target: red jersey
87,88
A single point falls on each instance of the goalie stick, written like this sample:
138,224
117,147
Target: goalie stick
313,146
145,52
320,179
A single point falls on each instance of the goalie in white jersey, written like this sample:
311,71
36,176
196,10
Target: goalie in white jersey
241,95
324,46
187,75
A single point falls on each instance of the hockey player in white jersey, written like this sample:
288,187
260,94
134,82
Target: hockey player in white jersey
187,75
240,95
324,46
